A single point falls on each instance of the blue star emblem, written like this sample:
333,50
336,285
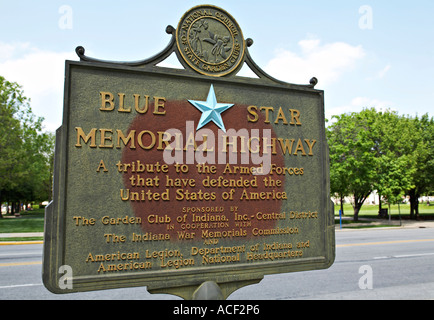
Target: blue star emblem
211,110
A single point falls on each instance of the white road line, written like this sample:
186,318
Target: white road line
414,255
21,285
405,256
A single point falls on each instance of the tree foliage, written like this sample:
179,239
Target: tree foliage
381,151
25,151
422,154
352,161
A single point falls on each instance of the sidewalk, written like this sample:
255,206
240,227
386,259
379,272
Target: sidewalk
21,235
365,222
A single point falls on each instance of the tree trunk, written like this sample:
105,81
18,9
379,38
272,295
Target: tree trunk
359,200
356,212
379,203
1,201
414,204
342,205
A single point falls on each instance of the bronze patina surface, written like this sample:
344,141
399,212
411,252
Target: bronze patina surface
185,179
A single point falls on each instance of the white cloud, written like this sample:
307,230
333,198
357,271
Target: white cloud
8,50
41,75
327,62
358,104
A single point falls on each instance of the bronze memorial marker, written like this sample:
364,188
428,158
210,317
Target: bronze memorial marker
191,182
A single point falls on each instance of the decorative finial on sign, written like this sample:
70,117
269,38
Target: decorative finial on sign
170,29
79,51
313,82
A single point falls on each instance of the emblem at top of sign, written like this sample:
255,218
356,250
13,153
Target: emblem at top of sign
210,41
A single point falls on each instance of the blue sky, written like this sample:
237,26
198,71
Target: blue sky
371,53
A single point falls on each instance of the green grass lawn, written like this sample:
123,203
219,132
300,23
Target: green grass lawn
371,211
29,221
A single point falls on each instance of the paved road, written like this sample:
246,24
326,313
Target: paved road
401,263
370,264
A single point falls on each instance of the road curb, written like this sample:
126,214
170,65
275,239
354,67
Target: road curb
11,243
21,235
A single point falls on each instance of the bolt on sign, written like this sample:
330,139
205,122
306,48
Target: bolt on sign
172,178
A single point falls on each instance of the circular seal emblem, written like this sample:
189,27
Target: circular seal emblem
210,41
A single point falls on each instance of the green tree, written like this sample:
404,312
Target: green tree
11,97
394,165
339,175
25,151
381,151
422,158
352,160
